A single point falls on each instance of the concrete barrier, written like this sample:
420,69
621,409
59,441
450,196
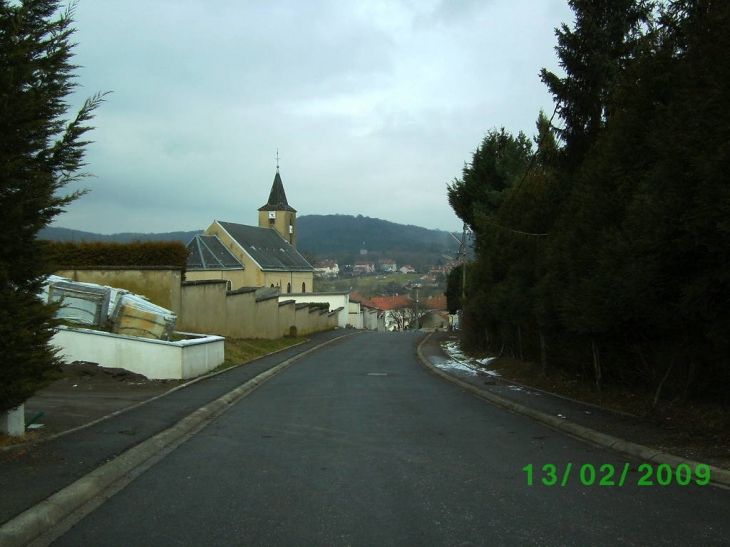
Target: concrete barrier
158,360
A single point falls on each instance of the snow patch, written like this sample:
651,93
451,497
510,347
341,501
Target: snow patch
456,365
461,362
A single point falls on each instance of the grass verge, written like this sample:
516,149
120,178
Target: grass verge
239,350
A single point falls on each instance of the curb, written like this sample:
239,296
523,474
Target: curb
141,403
718,476
40,518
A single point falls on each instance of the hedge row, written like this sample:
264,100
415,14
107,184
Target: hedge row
72,254
320,305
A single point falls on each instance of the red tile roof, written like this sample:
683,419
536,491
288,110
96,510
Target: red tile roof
393,302
364,301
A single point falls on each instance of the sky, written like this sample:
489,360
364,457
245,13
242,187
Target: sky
374,106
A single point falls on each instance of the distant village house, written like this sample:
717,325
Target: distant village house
387,265
326,268
363,267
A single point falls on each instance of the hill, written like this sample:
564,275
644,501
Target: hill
320,234
334,234
66,234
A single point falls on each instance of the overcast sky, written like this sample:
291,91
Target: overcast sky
374,105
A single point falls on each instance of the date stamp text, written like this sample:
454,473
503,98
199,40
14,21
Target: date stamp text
610,475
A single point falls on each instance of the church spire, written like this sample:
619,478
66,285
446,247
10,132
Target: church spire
277,197
277,213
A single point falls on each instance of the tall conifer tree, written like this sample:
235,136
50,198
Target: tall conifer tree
40,153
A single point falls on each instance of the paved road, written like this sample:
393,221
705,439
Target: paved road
357,444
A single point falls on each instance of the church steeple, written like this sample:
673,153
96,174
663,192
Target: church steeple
277,213
277,197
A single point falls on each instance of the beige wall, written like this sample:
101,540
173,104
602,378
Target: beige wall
160,285
293,279
302,317
236,277
209,308
240,312
204,308
287,316
266,319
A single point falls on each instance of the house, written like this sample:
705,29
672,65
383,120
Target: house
407,269
326,268
399,311
372,316
435,319
363,267
254,256
436,269
435,315
387,265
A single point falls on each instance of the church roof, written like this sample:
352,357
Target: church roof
209,253
277,197
267,248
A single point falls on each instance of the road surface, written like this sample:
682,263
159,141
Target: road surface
358,444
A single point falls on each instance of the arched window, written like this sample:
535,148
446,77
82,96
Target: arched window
272,285
288,287
304,287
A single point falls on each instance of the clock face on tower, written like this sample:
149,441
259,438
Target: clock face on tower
272,214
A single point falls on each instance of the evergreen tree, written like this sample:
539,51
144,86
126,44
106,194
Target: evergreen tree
40,153
593,55
454,283
497,165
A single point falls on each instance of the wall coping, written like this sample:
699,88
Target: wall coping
198,338
314,294
204,282
242,290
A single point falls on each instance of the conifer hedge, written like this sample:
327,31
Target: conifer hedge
99,254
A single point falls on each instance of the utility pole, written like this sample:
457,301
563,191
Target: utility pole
461,259
418,322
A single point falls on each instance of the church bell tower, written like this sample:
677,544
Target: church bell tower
277,213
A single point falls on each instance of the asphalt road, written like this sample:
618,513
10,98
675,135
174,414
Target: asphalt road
357,444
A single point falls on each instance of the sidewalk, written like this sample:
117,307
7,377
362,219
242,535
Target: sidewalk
597,425
31,473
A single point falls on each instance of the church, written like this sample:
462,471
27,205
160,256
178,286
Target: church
254,256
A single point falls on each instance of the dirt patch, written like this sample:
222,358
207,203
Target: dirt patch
81,376
85,393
